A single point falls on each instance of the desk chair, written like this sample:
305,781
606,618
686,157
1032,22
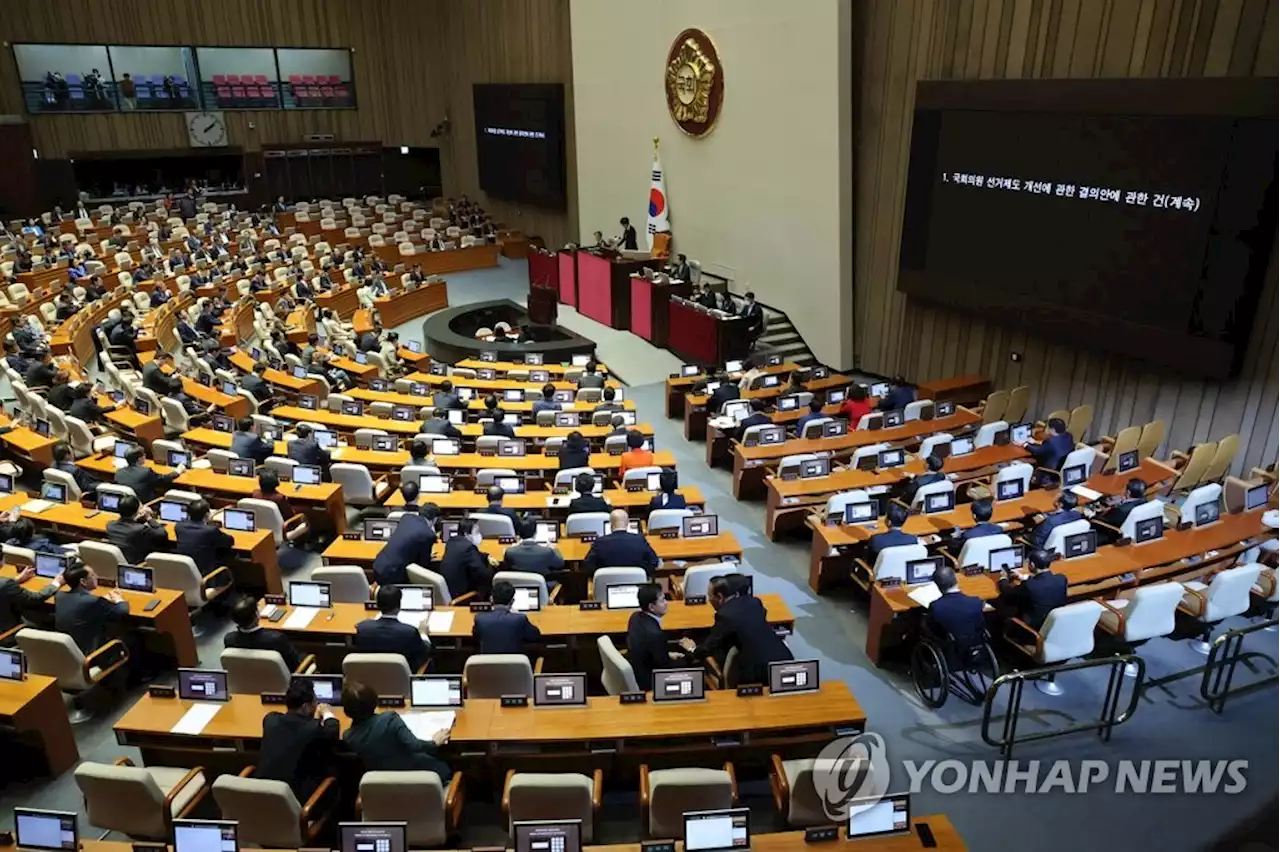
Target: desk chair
55,655
587,522
414,472
139,802
493,525
930,443
836,502
1226,594
791,464
616,673
219,459
1011,472
615,443
944,486
358,487
1145,512
160,448
1019,401
665,795
616,576
1218,468
591,395
870,450
913,409
813,429
553,796
420,576
697,578
266,515
496,675
174,571
977,551
1112,448
282,466
528,579
1153,435
564,478
268,813
105,559
486,476
1081,455
387,674
665,519
416,797
639,474
1058,535
252,672
1080,421
794,795
1211,493
20,557
61,477
993,409
986,436
892,562
1149,613
347,583
1066,633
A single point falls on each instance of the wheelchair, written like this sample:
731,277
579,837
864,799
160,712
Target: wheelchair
941,665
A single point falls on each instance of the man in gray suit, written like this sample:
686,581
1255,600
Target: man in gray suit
16,601
531,555
144,481
81,614
247,444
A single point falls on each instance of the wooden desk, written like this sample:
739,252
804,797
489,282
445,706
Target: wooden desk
504,367
695,405
474,407
25,444
1101,574
831,556
343,301
964,390
750,464
486,386
488,737
287,382
405,305
256,565
144,428
461,502
455,260
33,707
169,622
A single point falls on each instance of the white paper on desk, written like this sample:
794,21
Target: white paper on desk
1085,493
425,724
412,618
300,617
925,595
335,453
440,621
194,720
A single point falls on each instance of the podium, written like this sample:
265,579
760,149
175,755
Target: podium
650,307
544,269
567,263
604,288
701,336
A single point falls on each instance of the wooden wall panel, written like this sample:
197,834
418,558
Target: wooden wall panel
903,41
414,63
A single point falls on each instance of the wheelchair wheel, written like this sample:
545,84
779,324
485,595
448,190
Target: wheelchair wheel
929,674
980,671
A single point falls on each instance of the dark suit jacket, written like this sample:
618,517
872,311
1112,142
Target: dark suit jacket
588,503
206,323
647,649
569,459
503,429
755,317
84,617
498,509
59,396
805,418
742,623
208,545
1035,597
298,750
621,550
308,452
144,481
726,392
262,639
87,410
137,540
446,400
383,742
1040,535
247,445
532,557
629,238
673,501
155,379
410,543
913,485
79,474
1119,513
441,427
889,538
759,418
975,531
465,568
389,636
257,386
16,601
958,614
897,398
1053,451
502,631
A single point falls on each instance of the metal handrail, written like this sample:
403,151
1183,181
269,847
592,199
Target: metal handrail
1107,720
1220,669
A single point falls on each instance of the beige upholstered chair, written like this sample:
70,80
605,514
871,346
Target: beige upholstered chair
178,572
388,674
617,674
994,407
56,655
1125,441
553,796
105,559
417,797
269,814
1223,458
1019,401
794,795
138,802
665,795
1194,466
1152,437
253,672
347,583
420,576
358,487
496,675
1080,421
619,576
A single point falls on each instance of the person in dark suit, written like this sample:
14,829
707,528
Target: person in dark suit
1034,598
81,614
386,634
125,336
248,444
900,393
628,239
15,359
410,544
895,517
982,526
741,622
494,495
15,601
439,424
306,450
955,613
574,452
610,396
814,413
757,417
41,372
1053,451
1135,493
620,548
207,321
548,402
498,427
1065,514
297,747
383,742
153,375
207,544
680,269
531,555
256,384
727,391
591,376
647,649
85,407
64,460
445,397
753,314
463,566
587,500
667,498
60,394
144,481
136,532
250,635
933,473
501,630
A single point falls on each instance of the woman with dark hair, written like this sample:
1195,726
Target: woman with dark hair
574,452
667,498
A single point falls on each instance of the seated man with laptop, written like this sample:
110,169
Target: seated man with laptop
503,630
531,553
620,548
387,634
383,741
1033,598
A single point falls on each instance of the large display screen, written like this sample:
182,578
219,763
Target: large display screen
520,142
1122,215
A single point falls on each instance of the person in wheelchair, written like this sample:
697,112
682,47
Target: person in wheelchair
954,614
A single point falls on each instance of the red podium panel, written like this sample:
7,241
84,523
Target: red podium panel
567,262
699,336
544,269
595,297
649,311
641,307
